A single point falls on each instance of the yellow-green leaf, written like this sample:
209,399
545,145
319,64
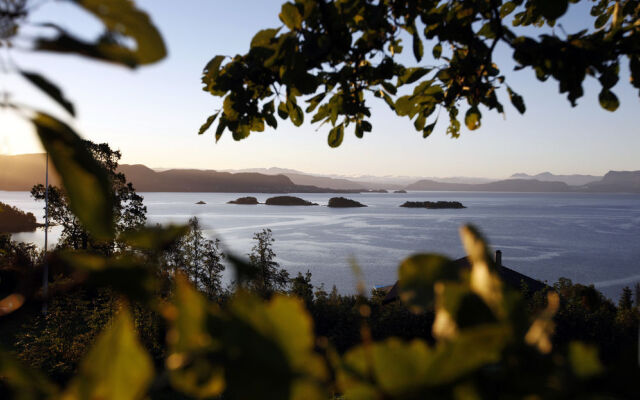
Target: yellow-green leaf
291,17
608,100
417,276
123,17
336,135
117,367
584,360
84,179
23,382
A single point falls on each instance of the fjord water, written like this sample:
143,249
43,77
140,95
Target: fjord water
589,238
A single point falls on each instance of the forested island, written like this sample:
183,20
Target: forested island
249,200
288,201
433,204
14,220
342,202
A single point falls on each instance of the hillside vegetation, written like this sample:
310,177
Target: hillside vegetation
13,220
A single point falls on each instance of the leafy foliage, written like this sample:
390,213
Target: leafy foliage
334,55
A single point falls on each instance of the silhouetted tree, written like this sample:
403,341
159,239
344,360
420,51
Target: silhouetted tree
302,287
129,211
626,299
269,276
199,259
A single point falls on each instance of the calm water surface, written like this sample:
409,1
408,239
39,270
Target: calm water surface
589,238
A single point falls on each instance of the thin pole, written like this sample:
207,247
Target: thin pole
45,273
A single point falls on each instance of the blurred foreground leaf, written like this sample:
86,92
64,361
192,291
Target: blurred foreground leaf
21,382
116,368
85,180
269,344
124,23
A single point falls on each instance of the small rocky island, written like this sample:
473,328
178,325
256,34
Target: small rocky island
201,202
14,220
342,202
244,200
288,201
433,204
400,191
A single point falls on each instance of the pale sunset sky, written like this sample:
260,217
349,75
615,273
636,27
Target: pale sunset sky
153,114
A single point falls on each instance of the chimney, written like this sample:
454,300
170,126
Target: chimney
499,258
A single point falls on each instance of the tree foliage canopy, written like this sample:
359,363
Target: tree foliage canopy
332,54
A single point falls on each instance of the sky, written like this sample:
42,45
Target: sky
152,115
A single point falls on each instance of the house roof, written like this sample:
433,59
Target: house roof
512,278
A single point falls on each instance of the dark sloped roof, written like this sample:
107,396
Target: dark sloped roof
512,278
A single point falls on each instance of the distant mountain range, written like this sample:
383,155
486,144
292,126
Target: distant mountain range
145,179
365,182
21,172
573,180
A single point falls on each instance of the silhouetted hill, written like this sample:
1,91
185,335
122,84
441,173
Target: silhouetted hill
145,179
21,172
617,181
13,220
509,185
573,180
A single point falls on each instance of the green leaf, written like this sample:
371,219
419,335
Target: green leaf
584,360
411,75
117,367
516,100
121,18
283,110
407,370
388,100
271,121
291,16
507,8
230,112
428,130
211,72
602,20
189,341
608,100
552,9
336,134
389,87
418,48
84,179
222,124
154,238
437,51
269,344
23,382
208,123
295,112
472,118
420,121
264,37
50,89
484,279
417,276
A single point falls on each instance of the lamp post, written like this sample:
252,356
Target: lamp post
45,272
